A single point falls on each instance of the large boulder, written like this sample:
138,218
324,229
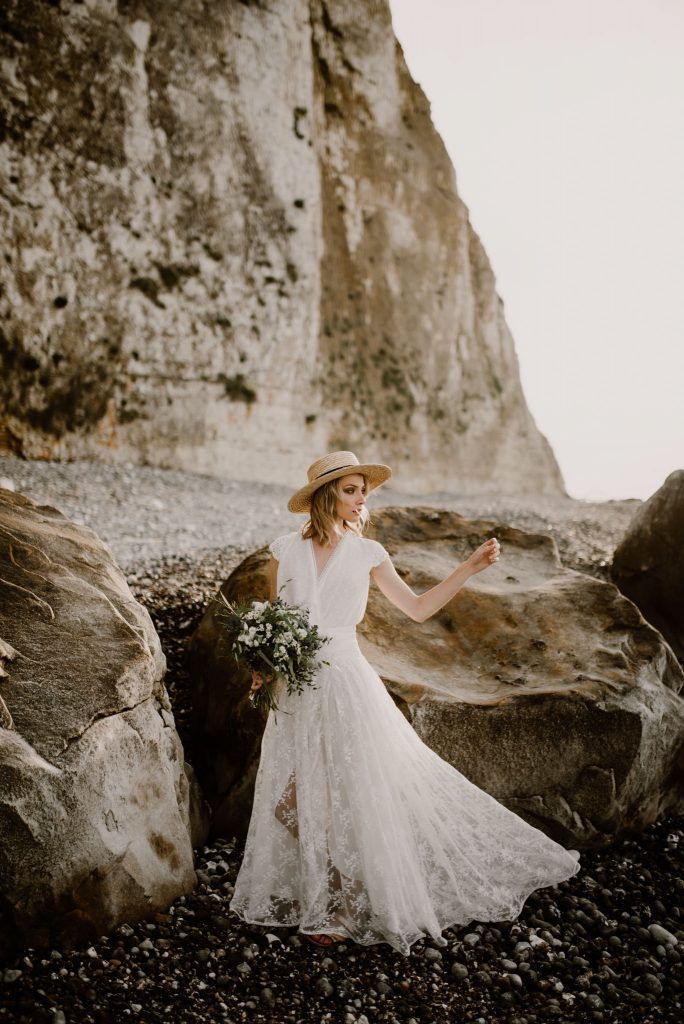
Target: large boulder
226,729
95,801
648,563
544,686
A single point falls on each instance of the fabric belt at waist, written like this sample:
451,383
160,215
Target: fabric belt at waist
338,635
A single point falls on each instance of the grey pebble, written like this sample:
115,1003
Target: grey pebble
432,954
660,934
651,984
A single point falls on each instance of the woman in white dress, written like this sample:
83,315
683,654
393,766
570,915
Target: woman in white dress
358,829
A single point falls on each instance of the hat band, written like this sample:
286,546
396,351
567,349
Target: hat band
333,470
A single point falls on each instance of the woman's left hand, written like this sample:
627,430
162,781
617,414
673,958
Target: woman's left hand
487,554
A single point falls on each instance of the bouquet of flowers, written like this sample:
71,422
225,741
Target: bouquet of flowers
275,639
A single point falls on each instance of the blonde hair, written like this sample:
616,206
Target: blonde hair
321,521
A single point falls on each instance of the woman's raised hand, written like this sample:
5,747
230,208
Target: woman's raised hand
487,554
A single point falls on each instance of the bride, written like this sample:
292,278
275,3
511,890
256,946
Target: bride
358,829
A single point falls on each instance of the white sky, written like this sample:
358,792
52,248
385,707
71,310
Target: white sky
565,123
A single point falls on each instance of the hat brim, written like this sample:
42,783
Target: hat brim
375,474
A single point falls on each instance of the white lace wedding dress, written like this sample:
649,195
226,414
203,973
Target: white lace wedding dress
357,826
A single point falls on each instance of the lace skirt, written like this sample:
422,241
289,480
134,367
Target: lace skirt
359,828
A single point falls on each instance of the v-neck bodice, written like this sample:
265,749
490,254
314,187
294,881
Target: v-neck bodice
337,595
319,572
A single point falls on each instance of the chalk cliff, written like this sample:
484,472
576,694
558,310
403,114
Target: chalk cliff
232,241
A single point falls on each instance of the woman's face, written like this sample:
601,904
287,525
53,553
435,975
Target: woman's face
352,497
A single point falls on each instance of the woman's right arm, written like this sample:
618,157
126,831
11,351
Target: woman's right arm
420,607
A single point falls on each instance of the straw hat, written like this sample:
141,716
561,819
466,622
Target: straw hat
331,467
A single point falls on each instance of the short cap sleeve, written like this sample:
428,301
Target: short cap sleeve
377,553
277,546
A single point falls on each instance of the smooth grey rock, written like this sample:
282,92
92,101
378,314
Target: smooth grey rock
660,934
432,954
543,685
94,798
650,983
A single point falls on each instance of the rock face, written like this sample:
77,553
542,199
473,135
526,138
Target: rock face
226,263
648,564
95,802
542,685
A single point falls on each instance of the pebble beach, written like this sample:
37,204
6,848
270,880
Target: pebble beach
605,946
